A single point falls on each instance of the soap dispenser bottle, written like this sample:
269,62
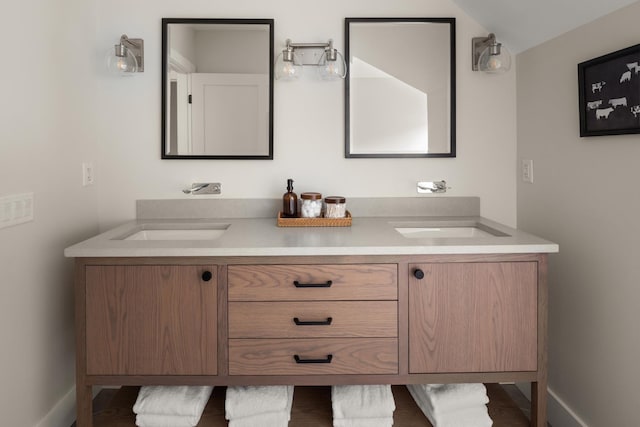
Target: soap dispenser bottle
290,202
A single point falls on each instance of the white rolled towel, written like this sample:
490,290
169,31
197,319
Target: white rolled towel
246,401
447,397
152,420
362,401
188,401
470,416
363,422
270,419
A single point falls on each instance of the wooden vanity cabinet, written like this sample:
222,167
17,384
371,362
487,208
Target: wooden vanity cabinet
473,317
347,319
151,320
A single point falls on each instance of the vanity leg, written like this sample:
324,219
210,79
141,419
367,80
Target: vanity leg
539,388
84,402
84,391
539,404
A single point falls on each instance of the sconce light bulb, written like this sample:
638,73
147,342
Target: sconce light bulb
125,65
121,64
288,69
332,69
494,63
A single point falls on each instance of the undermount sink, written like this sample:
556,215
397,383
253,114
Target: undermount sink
447,231
177,232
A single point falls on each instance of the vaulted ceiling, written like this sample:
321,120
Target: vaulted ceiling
522,24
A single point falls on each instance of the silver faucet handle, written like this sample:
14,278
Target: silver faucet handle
432,186
204,188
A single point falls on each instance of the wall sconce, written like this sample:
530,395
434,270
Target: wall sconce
330,62
127,57
489,56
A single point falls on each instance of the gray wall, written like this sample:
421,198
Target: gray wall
232,51
586,197
47,129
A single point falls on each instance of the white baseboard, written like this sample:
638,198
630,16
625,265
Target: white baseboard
63,414
559,414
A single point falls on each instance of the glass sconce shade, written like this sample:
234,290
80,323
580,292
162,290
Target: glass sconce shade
494,59
287,66
332,65
121,61
489,56
127,57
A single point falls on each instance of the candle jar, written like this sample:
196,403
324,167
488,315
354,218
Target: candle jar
311,206
335,207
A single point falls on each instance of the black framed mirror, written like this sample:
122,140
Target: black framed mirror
217,88
400,88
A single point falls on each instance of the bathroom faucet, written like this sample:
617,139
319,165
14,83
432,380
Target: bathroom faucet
203,188
432,187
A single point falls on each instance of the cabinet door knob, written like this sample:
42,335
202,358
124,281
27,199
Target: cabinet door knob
206,276
418,274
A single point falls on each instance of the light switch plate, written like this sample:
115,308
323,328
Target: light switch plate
527,171
87,174
16,209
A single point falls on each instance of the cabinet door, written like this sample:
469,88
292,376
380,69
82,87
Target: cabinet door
151,320
473,317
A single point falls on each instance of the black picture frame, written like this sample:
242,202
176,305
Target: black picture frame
609,93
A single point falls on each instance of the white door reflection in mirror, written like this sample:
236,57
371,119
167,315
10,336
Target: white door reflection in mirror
229,113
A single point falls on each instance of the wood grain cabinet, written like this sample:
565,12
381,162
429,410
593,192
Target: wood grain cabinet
473,317
151,320
313,319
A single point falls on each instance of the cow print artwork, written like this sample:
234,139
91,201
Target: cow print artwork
610,93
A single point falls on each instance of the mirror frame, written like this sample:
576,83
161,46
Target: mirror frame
165,26
452,89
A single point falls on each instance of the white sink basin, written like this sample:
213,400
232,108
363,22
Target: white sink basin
445,229
435,232
177,232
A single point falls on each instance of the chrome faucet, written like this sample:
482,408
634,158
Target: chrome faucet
432,187
204,188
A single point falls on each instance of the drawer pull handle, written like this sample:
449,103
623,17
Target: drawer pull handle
418,274
300,360
299,322
312,285
207,276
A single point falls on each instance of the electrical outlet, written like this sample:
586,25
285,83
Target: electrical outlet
527,171
87,174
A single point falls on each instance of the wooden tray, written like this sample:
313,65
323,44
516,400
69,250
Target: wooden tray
314,222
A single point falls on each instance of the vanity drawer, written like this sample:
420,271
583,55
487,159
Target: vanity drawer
313,319
313,282
318,356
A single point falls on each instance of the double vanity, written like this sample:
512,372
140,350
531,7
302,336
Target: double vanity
425,297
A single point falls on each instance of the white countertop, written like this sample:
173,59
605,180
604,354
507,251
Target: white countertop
262,237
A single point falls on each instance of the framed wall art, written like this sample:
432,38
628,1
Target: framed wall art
609,92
